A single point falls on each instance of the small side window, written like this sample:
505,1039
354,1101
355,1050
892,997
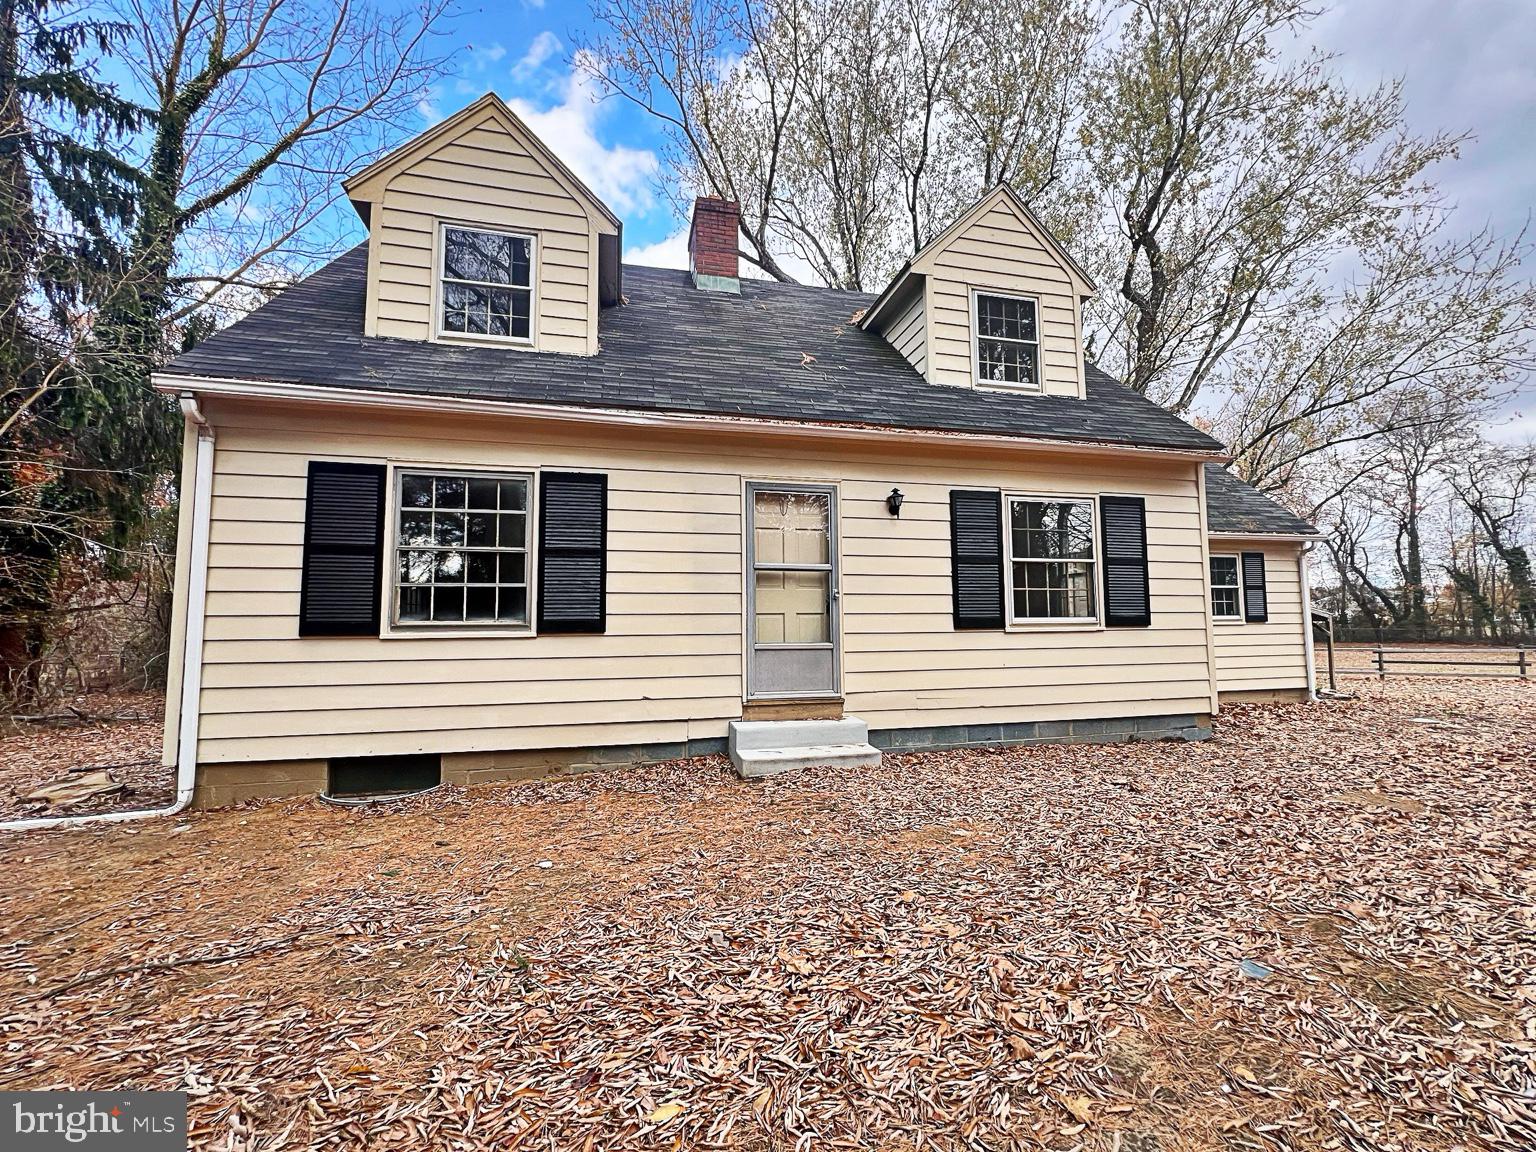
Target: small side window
1226,592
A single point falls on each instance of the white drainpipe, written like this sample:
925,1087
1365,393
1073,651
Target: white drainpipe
192,653
1306,618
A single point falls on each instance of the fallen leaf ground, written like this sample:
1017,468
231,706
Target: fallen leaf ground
121,733
1316,931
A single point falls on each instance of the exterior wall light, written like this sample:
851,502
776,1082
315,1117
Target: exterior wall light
893,502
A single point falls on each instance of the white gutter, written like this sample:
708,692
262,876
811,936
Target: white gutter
1291,537
1306,618
373,398
192,660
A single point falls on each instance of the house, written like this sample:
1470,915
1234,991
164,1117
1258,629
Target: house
478,501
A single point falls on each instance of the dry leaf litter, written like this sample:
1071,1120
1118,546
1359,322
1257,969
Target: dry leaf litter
1316,931
98,753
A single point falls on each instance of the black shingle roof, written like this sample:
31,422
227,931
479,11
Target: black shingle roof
777,352
1234,506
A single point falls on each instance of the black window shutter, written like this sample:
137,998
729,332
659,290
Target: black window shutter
1255,592
573,552
343,550
976,557
1127,587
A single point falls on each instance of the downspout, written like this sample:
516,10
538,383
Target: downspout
192,660
1306,618
1209,614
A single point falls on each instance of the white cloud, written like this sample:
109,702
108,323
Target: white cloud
428,108
620,175
1516,428
671,252
544,46
483,58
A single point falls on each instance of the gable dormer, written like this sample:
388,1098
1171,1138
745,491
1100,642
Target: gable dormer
478,234
992,302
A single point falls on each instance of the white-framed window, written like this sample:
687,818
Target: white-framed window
1052,560
461,555
1226,588
1007,344
485,285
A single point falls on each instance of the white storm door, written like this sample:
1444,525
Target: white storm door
791,590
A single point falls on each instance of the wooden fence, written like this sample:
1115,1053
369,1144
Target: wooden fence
1486,663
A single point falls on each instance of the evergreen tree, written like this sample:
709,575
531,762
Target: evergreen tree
77,454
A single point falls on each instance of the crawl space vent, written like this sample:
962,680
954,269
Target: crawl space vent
380,777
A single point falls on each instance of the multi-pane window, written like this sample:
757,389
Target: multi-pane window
461,549
487,287
1007,341
1051,551
1226,595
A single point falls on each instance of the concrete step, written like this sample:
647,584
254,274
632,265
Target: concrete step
768,747
750,735
754,763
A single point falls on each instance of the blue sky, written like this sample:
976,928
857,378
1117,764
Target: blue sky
522,50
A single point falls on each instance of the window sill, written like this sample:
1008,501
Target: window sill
994,386
1054,626
455,631
472,338
1228,620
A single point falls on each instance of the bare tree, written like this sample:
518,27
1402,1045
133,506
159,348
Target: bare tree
850,131
1498,487
1436,328
260,108
728,117
1239,181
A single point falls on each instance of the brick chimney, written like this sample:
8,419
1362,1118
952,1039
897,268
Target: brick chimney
712,244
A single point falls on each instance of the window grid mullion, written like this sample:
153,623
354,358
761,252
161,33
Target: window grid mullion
1078,574
434,596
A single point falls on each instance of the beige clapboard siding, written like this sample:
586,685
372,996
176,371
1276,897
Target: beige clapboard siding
670,666
1261,657
907,333
1000,252
482,176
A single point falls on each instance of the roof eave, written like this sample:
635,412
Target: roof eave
887,294
1230,534
176,383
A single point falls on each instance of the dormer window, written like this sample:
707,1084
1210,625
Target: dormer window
486,288
1007,341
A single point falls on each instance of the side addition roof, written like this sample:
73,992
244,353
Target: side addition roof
776,352
1234,508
